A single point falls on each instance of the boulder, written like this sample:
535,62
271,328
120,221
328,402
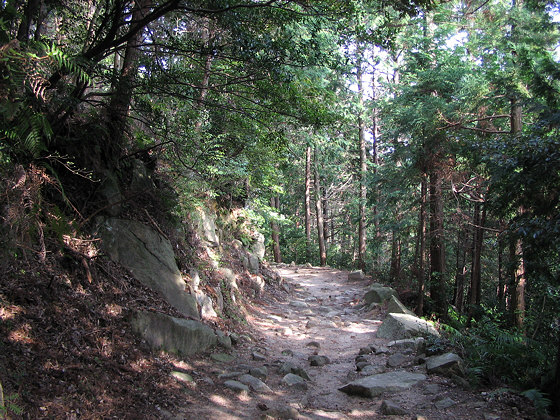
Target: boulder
398,326
179,336
206,226
372,386
258,249
257,284
378,294
356,275
206,305
447,364
396,307
149,257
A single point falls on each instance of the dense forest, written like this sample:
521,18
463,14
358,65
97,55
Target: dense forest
415,140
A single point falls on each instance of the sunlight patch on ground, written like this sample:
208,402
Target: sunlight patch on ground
21,335
9,312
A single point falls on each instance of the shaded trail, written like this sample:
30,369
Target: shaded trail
322,316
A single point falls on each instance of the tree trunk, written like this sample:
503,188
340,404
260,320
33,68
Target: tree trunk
121,97
501,283
520,283
375,161
207,34
363,168
479,217
319,211
437,245
461,270
325,214
275,203
308,203
29,12
421,246
395,270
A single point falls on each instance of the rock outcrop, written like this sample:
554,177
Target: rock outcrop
149,257
398,326
378,293
175,335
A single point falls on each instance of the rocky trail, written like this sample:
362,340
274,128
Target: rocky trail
306,347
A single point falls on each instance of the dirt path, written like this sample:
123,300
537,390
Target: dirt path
322,316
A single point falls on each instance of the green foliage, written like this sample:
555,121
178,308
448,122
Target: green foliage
10,405
539,400
505,356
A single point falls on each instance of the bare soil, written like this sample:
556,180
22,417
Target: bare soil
324,308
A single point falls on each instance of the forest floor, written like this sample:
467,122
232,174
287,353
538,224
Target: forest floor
322,315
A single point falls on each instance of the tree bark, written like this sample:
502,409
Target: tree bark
308,203
363,169
461,270
122,90
275,203
479,218
29,12
325,214
319,211
395,270
437,245
421,246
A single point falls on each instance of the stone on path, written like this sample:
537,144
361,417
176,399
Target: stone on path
395,306
447,364
397,359
222,357
371,386
255,384
182,376
259,372
369,370
378,293
294,381
289,367
390,408
284,413
318,360
356,275
236,386
417,344
315,344
398,326
444,403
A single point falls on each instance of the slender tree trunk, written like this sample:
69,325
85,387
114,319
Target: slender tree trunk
29,12
275,203
207,33
122,90
308,203
437,245
325,214
319,211
395,257
421,246
375,160
501,283
461,270
520,283
363,168
479,217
